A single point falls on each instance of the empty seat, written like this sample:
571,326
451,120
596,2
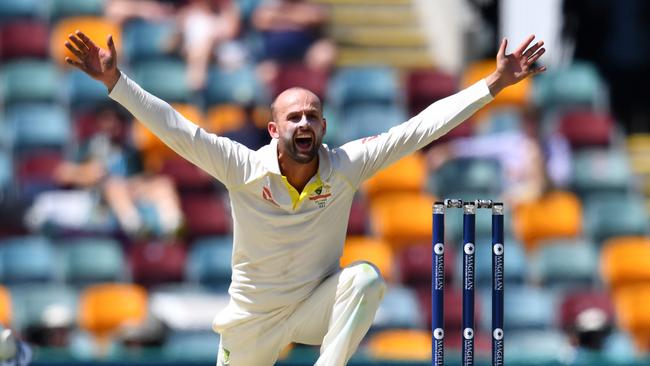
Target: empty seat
398,309
537,347
414,263
186,176
531,221
587,128
5,307
363,85
157,262
516,270
237,86
366,120
577,85
481,177
205,214
406,175
89,260
631,304
224,118
23,39
12,9
146,40
85,92
566,264
104,308
527,308
33,126
49,305
28,259
402,218
610,215
35,173
375,251
193,346
600,171
96,28
209,262
426,86
358,220
400,344
165,78
299,75
625,261
18,82
68,8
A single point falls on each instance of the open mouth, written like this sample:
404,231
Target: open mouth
304,142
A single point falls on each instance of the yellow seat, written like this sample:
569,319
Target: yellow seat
407,175
105,308
631,306
556,215
398,344
96,28
514,96
5,307
153,150
224,118
402,218
375,251
625,261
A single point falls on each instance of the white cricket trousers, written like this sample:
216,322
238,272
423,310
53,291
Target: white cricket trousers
337,315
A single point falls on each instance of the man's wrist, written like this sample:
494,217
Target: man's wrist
494,83
112,79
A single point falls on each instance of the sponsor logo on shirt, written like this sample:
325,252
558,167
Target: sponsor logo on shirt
321,195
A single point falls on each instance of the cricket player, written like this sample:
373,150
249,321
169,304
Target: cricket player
290,205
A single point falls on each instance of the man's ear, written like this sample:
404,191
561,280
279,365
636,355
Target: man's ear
272,127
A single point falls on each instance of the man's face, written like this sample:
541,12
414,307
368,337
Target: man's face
299,125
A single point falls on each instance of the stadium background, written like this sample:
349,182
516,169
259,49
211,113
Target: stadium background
567,151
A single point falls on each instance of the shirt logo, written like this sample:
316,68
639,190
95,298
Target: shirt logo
321,195
266,194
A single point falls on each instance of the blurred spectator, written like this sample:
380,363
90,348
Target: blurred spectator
120,11
136,338
590,330
54,329
142,203
12,351
293,30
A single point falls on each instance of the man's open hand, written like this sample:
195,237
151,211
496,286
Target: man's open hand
516,66
99,63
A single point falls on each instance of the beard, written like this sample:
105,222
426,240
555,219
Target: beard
301,154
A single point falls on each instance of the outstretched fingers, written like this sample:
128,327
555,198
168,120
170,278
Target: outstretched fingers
87,41
535,56
111,45
74,63
81,47
529,52
522,47
74,50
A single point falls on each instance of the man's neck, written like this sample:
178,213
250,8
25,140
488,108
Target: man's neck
298,175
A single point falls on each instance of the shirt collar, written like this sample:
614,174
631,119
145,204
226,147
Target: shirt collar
269,156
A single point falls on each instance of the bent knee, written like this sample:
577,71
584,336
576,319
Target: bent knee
366,277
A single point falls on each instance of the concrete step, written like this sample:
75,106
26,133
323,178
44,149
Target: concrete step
379,36
345,15
399,57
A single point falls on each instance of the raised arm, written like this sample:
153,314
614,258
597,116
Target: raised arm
361,159
228,161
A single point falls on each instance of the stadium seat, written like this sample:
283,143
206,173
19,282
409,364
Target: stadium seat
299,75
480,176
186,176
625,261
164,78
426,86
400,344
358,220
69,8
587,128
28,259
6,172
154,263
611,215
537,347
146,40
414,264
566,264
355,86
557,214
154,151
224,118
23,39
34,173
5,307
239,86
577,301
18,82
528,308
361,121
576,86
600,171
44,305
91,260
193,346
21,9
38,126
96,28
104,308
515,273
631,304
398,309
375,251
208,262
205,214
406,175
402,218
84,92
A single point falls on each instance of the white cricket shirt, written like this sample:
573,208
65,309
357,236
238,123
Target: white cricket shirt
286,242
